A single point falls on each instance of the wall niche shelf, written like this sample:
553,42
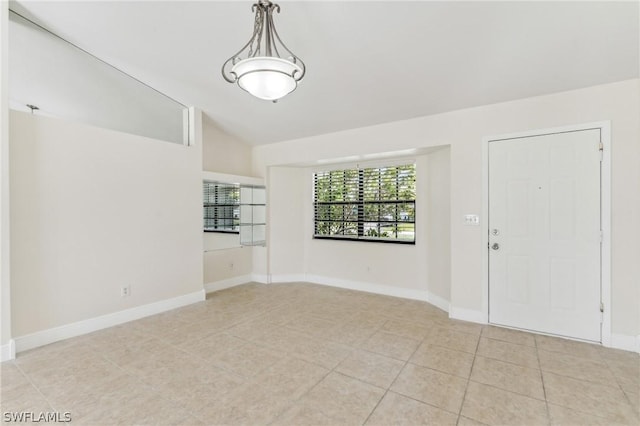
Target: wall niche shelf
253,207
253,215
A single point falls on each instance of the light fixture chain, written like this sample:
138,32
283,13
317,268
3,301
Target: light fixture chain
257,33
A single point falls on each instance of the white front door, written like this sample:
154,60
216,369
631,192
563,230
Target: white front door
544,233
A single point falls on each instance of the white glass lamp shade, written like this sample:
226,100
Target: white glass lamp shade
266,77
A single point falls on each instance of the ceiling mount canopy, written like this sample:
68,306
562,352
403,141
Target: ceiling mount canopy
265,67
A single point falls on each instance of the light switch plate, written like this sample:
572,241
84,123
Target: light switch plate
471,220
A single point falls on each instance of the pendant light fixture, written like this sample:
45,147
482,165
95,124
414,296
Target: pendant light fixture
265,67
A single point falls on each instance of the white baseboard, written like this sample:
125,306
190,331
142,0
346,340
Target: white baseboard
439,302
288,278
626,343
227,283
470,315
79,328
406,293
8,351
260,278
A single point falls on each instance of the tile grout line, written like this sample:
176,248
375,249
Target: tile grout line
396,378
515,365
464,396
219,331
308,390
563,405
561,374
93,349
292,402
154,388
140,380
240,316
544,388
572,378
386,390
615,377
285,353
332,370
506,390
26,376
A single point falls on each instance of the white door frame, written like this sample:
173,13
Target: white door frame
605,213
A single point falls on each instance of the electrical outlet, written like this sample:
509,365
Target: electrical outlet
125,291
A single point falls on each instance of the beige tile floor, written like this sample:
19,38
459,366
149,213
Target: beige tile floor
301,354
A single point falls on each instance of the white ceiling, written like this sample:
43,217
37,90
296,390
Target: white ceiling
367,62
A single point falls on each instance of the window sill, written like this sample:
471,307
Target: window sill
221,232
364,239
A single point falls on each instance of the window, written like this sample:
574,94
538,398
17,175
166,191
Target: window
373,204
221,207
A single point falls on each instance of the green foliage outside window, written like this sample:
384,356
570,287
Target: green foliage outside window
368,204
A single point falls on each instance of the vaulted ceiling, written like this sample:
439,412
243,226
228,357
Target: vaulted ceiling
368,62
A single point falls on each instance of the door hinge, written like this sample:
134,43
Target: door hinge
601,150
601,307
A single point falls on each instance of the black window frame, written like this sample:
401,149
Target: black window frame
221,207
352,207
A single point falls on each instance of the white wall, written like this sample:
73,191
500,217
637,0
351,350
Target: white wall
225,262
61,80
438,223
286,220
384,265
223,153
463,130
93,210
5,266
388,268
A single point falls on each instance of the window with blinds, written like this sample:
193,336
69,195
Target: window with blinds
371,204
221,207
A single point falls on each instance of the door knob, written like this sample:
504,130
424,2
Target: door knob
495,246
495,232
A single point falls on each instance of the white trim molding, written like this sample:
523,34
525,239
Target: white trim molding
470,315
8,351
405,293
79,328
288,278
438,302
227,283
624,342
260,278
605,215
